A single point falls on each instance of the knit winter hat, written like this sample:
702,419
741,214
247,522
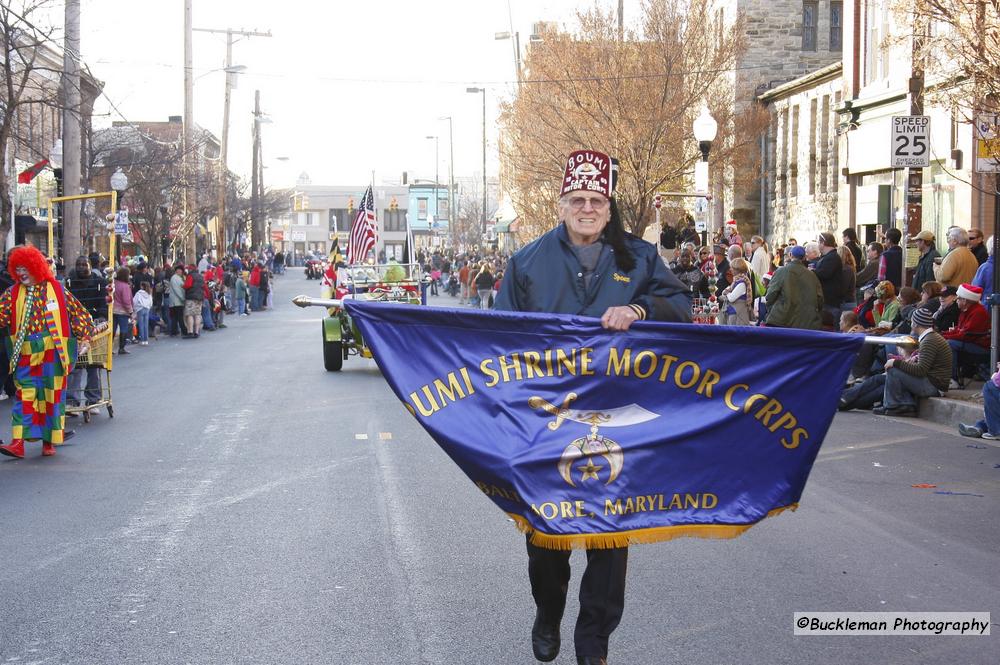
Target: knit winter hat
922,317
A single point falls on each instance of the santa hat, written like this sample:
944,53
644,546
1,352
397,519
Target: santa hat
589,171
731,223
970,292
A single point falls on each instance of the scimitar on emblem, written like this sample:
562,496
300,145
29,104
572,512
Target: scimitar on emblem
594,451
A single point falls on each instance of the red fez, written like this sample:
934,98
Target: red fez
588,171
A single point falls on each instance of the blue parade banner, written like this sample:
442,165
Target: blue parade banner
589,438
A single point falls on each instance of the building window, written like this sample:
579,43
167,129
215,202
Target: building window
809,12
421,208
793,166
836,25
394,251
824,145
394,220
783,160
443,209
812,146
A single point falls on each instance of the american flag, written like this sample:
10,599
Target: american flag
364,234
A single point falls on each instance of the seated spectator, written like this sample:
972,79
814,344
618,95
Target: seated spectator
925,376
989,426
865,308
930,295
947,312
909,300
849,323
970,338
885,311
868,392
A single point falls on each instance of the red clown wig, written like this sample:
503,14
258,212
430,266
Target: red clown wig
30,258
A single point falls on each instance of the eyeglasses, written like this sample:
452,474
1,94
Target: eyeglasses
578,202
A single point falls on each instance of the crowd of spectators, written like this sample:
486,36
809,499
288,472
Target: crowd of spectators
940,316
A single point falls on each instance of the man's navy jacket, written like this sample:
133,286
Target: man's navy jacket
546,276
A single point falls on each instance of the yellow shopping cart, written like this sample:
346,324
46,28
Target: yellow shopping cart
98,356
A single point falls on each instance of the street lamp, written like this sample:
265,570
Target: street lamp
705,131
451,174
119,183
436,162
516,43
475,91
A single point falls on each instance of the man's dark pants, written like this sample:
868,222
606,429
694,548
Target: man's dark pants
602,593
177,320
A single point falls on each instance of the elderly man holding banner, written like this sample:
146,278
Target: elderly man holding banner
588,265
595,417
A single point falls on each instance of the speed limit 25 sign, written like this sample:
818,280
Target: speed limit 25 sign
911,141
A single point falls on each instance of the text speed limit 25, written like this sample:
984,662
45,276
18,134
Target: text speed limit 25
911,136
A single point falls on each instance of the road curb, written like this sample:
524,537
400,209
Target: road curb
950,412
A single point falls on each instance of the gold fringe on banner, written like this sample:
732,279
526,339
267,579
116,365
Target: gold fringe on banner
625,538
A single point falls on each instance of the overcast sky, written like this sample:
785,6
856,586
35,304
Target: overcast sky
351,86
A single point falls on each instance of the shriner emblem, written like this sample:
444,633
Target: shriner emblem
594,456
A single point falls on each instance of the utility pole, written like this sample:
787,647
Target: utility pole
220,241
72,143
621,20
188,132
254,186
483,230
451,178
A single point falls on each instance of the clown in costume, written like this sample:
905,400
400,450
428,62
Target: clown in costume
45,323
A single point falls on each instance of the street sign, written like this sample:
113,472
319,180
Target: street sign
911,141
988,143
701,204
298,236
701,176
121,223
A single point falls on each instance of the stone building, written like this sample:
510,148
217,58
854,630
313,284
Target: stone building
786,40
801,163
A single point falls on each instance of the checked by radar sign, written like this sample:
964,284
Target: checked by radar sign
911,135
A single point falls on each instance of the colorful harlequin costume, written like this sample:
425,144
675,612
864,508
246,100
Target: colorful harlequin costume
45,324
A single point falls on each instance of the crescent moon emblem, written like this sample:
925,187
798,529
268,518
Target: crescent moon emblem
566,460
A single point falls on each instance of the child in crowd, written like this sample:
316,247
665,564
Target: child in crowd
142,302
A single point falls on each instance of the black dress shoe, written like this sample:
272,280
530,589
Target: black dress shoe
591,660
544,640
68,434
898,411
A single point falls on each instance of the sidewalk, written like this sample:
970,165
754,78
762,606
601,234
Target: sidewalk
958,406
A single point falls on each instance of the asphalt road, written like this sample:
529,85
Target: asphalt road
246,506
